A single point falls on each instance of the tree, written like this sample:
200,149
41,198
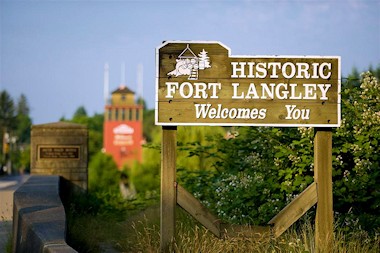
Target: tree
21,156
95,128
22,105
15,125
356,151
141,101
353,79
195,151
7,111
103,174
24,122
7,122
375,72
148,125
80,112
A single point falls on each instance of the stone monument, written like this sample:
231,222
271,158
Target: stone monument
60,148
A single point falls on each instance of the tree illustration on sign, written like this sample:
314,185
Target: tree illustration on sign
188,64
204,60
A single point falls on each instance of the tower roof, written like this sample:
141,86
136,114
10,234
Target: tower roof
123,90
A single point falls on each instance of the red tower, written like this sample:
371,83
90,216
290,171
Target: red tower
123,134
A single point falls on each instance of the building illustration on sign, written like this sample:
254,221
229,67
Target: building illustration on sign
189,64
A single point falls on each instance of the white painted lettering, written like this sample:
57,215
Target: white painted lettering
324,88
315,70
310,91
232,113
201,110
274,66
284,92
212,113
265,89
251,68
295,113
285,70
262,113
302,70
322,68
289,109
214,87
235,69
252,92
224,113
182,89
200,90
170,89
293,87
235,96
261,70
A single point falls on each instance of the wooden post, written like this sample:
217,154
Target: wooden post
168,186
192,206
294,210
323,178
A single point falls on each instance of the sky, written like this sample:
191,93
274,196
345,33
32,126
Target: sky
54,52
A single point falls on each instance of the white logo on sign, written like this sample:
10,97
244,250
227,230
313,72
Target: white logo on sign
189,64
123,129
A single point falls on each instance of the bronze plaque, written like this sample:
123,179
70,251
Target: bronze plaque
201,83
59,152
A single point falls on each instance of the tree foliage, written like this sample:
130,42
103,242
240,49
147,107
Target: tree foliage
103,174
95,128
15,125
7,111
357,153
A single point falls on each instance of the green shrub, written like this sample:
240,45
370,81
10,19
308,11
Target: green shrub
258,170
103,174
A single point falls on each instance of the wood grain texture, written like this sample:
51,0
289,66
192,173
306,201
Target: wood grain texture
181,111
190,204
168,186
323,177
294,210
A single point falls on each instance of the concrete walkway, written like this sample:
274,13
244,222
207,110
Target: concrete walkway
8,184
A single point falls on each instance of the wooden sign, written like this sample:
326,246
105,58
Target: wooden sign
200,83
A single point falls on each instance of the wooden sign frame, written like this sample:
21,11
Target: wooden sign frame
172,194
201,83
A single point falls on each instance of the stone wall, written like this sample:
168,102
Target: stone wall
39,221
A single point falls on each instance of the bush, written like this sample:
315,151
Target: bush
259,170
103,173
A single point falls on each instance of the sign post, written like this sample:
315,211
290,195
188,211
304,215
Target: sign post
201,83
323,178
168,186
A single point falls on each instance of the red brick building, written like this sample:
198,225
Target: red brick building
123,130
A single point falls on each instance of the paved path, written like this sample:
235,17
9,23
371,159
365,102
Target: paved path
8,184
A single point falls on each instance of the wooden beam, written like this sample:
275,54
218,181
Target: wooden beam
190,204
323,177
168,186
233,230
294,210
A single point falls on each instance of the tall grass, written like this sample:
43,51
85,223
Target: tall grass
194,238
140,232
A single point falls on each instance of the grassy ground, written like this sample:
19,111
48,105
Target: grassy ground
138,231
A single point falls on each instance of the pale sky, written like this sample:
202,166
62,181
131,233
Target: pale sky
54,52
